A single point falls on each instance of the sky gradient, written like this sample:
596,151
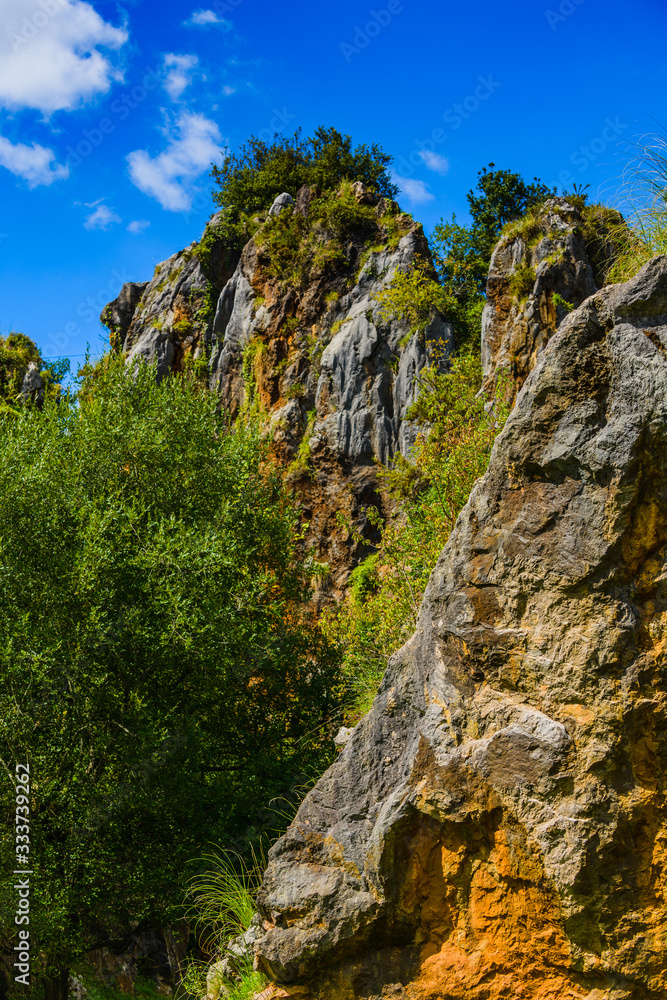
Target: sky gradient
111,113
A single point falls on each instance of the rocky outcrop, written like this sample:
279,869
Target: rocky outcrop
167,319
32,387
497,825
547,264
297,336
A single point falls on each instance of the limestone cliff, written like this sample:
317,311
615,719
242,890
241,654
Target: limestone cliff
543,267
497,825
292,329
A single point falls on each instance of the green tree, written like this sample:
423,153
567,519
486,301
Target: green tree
248,181
463,253
159,669
16,352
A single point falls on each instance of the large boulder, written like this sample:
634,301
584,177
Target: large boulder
497,825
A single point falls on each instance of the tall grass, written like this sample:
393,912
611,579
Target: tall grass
644,204
222,904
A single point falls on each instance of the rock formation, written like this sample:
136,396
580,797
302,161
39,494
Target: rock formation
296,332
497,825
543,267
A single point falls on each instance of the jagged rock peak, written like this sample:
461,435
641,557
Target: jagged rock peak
293,329
545,265
496,826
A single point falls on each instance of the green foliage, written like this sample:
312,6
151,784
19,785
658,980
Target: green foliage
249,181
223,898
300,465
158,664
223,904
632,244
380,610
413,296
463,253
16,353
295,248
522,280
563,303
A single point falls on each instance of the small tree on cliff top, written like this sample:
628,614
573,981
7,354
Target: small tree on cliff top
249,180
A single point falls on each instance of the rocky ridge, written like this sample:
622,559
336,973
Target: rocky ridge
496,826
543,267
293,329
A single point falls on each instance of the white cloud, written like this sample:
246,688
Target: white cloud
33,163
178,77
415,191
228,91
201,18
434,161
137,226
50,55
102,217
194,143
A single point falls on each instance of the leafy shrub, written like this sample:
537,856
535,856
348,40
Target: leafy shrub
159,667
249,181
522,280
412,296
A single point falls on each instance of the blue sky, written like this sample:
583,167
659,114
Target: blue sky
110,114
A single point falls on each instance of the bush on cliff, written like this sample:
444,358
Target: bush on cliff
462,254
158,668
248,181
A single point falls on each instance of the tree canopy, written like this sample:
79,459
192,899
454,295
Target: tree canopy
463,253
159,668
249,180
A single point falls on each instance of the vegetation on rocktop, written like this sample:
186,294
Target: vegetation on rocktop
248,181
335,237
16,352
645,197
159,668
462,254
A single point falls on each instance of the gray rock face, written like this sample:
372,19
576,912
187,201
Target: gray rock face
32,388
542,268
283,200
496,826
366,378
169,318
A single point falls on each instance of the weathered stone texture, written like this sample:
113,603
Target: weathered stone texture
547,263
331,377
497,826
